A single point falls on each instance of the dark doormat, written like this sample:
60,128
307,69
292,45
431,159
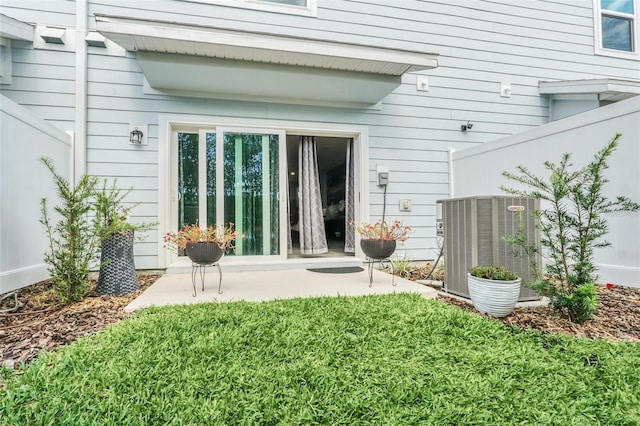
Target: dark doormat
341,270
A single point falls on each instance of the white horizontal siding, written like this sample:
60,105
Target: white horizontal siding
60,13
42,78
118,156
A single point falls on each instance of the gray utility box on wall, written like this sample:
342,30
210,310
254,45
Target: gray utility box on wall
473,229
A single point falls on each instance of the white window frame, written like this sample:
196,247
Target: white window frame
310,10
635,17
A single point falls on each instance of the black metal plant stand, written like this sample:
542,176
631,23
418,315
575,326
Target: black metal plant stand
201,268
370,264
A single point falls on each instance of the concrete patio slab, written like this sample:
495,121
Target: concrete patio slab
175,289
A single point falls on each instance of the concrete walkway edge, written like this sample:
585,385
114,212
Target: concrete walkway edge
176,289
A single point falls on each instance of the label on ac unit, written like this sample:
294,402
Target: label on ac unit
515,208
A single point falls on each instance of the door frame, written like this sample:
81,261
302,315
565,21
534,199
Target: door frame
167,197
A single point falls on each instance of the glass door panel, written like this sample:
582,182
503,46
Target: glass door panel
188,184
196,158
251,188
211,156
233,175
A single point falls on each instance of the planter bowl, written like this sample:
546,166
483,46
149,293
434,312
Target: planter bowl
204,253
496,298
378,249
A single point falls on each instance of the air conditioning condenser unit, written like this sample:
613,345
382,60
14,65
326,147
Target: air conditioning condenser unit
473,231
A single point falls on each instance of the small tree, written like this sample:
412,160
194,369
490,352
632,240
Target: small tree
572,226
111,213
72,240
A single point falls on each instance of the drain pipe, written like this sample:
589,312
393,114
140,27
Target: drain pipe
79,163
451,176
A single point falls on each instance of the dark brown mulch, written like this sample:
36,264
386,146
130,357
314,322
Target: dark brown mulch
617,319
41,325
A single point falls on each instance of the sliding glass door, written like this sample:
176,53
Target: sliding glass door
234,175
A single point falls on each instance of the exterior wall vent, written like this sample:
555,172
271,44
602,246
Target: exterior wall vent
473,230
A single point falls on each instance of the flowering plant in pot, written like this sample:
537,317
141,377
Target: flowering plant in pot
494,290
202,245
378,240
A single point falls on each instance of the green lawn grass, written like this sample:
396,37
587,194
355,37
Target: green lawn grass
393,359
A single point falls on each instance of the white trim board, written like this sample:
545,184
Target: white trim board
607,89
16,30
167,37
15,279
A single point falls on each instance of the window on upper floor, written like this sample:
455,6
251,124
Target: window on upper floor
616,26
295,7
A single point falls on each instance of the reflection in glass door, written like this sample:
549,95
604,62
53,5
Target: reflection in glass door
189,185
251,187
242,187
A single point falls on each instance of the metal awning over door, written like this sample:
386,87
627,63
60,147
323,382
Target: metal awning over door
205,61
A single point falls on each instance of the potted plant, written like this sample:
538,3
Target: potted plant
494,290
204,246
116,234
378,240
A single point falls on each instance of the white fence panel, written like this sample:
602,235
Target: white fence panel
478,171
24,181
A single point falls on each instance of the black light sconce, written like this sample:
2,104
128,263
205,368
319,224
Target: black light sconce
465,127
135,137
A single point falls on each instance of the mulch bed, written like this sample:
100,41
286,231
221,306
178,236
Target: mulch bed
41,325
617,319
38,326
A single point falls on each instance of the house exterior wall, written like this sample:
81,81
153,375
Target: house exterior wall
481,45
589,131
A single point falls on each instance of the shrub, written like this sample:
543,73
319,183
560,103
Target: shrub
111,213
572,226
72,241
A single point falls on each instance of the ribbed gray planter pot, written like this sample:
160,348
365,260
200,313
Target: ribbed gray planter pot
117,268
496,298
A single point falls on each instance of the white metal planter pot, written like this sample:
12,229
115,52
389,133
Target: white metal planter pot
496,298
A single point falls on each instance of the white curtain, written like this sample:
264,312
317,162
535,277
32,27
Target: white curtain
289,239
349,211
313,239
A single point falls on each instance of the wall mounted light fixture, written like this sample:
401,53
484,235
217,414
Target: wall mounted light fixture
465,127
135,136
